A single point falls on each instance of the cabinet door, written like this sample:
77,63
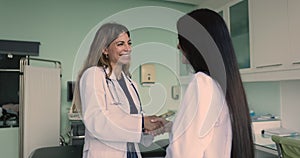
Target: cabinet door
239,29
294,31
270,32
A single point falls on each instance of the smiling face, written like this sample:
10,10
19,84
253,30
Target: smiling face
119,50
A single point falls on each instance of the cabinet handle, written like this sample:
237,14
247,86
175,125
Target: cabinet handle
264,66
297,62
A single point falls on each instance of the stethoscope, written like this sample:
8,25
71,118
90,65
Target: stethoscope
116,99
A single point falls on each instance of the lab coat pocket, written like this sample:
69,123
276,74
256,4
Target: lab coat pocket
116,105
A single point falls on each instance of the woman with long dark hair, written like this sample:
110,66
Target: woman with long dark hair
213,120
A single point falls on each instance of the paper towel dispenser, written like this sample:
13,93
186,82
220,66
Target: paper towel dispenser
148,74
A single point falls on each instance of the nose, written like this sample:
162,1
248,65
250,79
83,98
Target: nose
128,47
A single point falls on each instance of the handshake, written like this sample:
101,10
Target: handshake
156,125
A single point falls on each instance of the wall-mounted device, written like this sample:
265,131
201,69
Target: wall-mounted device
148,74
70,90
175,91
12,47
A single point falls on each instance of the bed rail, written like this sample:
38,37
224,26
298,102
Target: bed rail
9,70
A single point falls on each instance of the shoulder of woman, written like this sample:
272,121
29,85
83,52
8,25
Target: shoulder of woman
202,79
206,82
94,70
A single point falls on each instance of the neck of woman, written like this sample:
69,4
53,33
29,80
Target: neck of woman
117,70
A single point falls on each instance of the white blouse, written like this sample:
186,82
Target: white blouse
202,127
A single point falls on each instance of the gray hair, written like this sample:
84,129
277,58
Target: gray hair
105,35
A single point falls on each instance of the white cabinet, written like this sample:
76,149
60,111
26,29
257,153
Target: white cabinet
294,32
235,14
275,40
269,35
239,30
9,142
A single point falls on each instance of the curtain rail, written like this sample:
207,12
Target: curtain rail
25,61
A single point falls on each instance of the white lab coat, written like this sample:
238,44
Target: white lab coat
108,127
202,127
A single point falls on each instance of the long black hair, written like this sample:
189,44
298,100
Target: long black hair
213,23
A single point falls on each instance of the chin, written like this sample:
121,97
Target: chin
124,61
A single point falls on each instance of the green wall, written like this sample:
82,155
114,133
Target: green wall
264,97
62,25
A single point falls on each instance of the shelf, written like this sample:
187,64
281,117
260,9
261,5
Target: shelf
254,75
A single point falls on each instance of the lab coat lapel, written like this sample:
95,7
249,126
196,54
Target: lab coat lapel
130,88
132,92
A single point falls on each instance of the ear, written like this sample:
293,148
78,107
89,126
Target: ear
105,51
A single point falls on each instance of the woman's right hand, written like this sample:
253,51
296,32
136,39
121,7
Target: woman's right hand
150,124
166,126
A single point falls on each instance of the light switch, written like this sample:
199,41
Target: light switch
147,73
